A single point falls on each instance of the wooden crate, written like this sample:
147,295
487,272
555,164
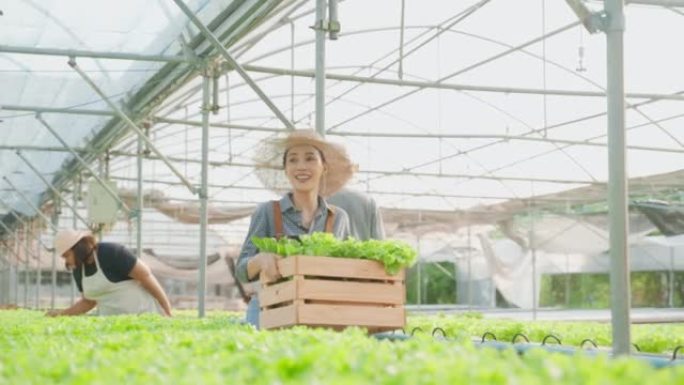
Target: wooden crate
334,293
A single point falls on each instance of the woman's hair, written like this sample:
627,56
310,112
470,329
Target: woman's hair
317,150
84,250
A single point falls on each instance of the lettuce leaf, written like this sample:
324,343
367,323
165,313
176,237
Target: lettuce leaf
394,255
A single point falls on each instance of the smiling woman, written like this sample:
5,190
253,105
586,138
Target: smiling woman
305,168
314,169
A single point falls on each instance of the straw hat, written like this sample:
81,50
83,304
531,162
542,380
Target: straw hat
270,162
66,239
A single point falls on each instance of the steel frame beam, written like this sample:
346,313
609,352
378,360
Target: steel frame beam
459,72
381,192
23,223
16,254
510,137
83,163
92,54
130,123
51,187
57,110
238,68
456,87
661,3
346,133
28,201
366,171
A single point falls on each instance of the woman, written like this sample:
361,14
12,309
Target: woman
314,168
109,276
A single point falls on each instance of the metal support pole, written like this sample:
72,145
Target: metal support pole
202,278
51,187
292,68
319,27
670,279
5,271
39,275
13,284
419,275
470,269
617,186
334,20
233,63
140,199
131,124
74,196
16,268
27,266
8,231
28,201
17,238
215,94
567,281
53,271
533,250
17,253
401,42
83,163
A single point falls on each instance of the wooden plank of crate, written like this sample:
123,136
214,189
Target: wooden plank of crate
278,317
347,315
336,267
368,292
277,293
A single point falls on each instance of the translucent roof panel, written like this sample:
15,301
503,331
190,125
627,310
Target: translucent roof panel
132,26
33,82
518,96
474,104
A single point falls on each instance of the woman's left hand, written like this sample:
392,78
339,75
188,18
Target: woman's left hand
268,267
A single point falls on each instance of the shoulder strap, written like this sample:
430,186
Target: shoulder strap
330,220
278,220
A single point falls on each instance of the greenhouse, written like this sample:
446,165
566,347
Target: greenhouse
522,161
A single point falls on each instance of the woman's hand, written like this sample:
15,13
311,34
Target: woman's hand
81,306
268,267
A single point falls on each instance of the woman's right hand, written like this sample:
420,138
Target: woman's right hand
268,266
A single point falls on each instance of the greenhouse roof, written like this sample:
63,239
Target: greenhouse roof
453,106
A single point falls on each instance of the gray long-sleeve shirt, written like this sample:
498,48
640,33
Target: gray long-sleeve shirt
364,215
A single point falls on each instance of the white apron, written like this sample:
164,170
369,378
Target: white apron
125,297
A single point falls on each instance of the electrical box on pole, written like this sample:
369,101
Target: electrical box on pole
102,207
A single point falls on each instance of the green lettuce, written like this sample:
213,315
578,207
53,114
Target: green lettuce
394,255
